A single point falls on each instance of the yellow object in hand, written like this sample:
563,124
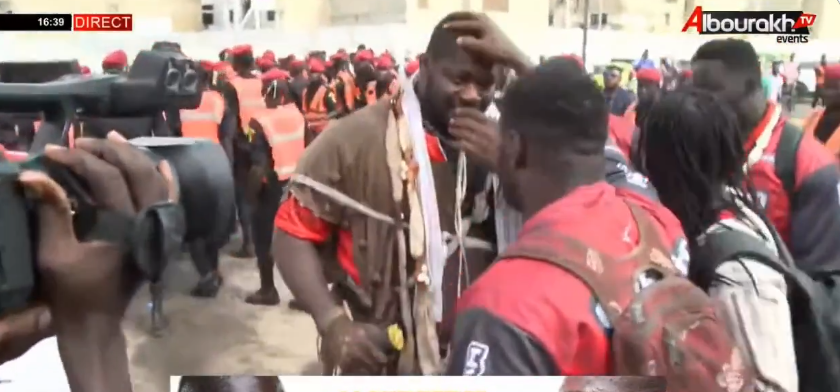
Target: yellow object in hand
249,133
395,336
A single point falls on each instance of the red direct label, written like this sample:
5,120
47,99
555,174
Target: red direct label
102,22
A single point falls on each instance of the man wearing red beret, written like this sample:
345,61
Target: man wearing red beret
115,62
276,143
824,122
245,100
344,83
319,102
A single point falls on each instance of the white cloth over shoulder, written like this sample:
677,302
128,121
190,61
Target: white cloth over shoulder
38,370
435,248
755,297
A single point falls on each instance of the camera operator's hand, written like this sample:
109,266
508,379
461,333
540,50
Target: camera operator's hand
87,285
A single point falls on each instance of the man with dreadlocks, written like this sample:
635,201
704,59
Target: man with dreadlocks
416,164
649,88
795,176
690,146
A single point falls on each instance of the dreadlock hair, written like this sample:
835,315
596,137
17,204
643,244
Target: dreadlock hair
443,43
738,56
614,384
690,147
230,384
559,107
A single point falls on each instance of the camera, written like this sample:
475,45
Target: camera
156,81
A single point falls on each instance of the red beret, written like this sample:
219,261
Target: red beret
832,71
574,57
85,70
274,74
339,56
316,66
687,73
264,62
117,59
364,55
220,66
296,64
649,74
412,67
269,55
207,65
242,50
384,63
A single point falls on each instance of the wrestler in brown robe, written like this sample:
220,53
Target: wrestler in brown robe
351,156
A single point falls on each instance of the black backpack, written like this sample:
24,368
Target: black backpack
816,324
785,159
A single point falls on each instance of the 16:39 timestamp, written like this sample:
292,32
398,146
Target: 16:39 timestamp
51,21
36,22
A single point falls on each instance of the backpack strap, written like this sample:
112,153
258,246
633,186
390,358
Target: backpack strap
608,278
720,246
785,160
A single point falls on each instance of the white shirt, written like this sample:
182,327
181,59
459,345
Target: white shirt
759,313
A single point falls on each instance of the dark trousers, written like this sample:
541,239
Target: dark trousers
262,224
243,209
205,255
817,97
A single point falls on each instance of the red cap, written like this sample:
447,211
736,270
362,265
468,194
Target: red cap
264,63
85,70
384,63
573,56
116,59
296,64
339,56
269,55
274,74
365,55
242,50
649,74
412,67
207,65
832,71
316,66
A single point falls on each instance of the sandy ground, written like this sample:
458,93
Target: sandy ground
221,336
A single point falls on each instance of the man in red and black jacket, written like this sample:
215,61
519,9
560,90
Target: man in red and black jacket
808,215
529,317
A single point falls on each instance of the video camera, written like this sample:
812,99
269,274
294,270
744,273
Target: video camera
156,81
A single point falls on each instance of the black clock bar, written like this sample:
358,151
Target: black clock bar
36,22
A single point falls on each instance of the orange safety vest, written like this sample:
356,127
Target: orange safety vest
810,126
348,103
283,128
249,94
71,134
203,121
315,111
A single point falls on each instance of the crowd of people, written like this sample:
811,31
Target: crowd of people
473,213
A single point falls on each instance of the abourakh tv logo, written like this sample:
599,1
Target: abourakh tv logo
792,27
